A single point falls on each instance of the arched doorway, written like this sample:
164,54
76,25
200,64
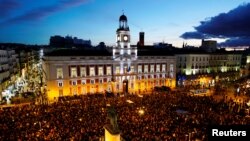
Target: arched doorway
125,86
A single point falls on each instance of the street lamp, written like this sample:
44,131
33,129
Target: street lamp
141,112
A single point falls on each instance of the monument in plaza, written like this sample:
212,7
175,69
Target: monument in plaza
112,131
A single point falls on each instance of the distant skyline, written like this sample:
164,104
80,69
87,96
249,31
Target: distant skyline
170,21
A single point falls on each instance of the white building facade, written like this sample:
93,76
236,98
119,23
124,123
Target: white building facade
122,70
207,68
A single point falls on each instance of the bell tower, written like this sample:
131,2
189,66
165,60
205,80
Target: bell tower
123,49
124,56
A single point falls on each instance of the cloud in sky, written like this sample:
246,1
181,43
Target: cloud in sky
194,35
6,7
233,24
45,11
233,42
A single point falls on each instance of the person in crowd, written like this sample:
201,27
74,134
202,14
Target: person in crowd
83,117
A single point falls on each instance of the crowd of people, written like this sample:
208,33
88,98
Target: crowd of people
164,117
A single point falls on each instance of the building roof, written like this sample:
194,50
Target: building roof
79,52
155,52
123,18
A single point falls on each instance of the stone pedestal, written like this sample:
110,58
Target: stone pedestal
110,134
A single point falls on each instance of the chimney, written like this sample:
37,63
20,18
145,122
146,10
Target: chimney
141,38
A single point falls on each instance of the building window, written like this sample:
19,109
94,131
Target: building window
152,76
108,70
117,70
83,71
145,76
60,84
163,75
139,77
117,79
100,71
152,67
92,81
100,81
74,82
171,70
157,68
59,73
163,68
73,72
92,71
139,69
109,79
132,69
157,76
125,69
83,82
146,68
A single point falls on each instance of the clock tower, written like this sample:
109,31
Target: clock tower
124,57
123,49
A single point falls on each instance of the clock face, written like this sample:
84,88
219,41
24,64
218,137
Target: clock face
125,38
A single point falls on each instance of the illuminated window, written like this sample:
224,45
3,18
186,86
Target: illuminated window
157,76
152,67
92,81
109,79
83,82
73,72
59,73
100,71
132,69
146,68
117,78
74,82
108,70
92,71
125,69
152,76
139,77
139,69
157,68
117,70
171,70
163,68
83,71
60,84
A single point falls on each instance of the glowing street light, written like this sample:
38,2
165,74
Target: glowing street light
141,112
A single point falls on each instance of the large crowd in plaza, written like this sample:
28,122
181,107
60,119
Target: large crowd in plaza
166,117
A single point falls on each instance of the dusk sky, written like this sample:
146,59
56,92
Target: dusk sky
171,21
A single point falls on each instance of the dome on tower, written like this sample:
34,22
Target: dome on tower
123,18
